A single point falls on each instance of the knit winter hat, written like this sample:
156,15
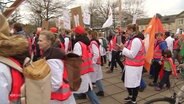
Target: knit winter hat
79,30
53,30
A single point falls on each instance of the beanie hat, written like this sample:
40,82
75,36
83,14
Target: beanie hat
53,30
79,30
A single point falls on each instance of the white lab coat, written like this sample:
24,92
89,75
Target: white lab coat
5,83
67,41
97,74
169,40
86,81
102,49
133,74
57,69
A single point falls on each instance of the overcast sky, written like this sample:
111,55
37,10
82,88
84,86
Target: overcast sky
164,7
151,7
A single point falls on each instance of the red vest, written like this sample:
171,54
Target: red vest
64,91
157,51
114,42
62,45
86,66
99,58
110,45
176,45
17,82
139,58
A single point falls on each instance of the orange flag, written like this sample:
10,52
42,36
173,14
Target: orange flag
154,26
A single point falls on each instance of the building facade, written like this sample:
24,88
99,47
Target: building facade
170,22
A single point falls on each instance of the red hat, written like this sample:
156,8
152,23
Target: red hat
53,30
79,30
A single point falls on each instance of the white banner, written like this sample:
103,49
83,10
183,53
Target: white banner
66,20
86,18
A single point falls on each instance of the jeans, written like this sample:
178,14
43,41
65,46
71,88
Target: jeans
156,69
176,56
103,60
165,79
116,58
142,84
92,96
99,85
152,73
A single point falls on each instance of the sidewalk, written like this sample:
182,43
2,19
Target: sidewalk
115,91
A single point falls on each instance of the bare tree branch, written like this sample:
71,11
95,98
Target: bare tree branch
45,9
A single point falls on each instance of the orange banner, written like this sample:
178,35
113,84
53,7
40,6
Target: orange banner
154,26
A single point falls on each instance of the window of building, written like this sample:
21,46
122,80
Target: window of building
180,21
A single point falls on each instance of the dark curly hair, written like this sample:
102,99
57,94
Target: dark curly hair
167,52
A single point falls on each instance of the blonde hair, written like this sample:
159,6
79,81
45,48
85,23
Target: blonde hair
94,34
49,36
10,45
134,27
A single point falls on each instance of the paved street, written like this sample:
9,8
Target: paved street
115,91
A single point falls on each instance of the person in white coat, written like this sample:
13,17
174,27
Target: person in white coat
54,57
134,61
97,75
11,77
103,48
86,84
169,40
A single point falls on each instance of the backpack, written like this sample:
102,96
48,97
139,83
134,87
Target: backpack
104,43
37,70
38,82
73,67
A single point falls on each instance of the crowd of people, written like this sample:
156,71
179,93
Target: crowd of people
97,51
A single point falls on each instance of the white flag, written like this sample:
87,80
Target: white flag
109,21
66,20
178,31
